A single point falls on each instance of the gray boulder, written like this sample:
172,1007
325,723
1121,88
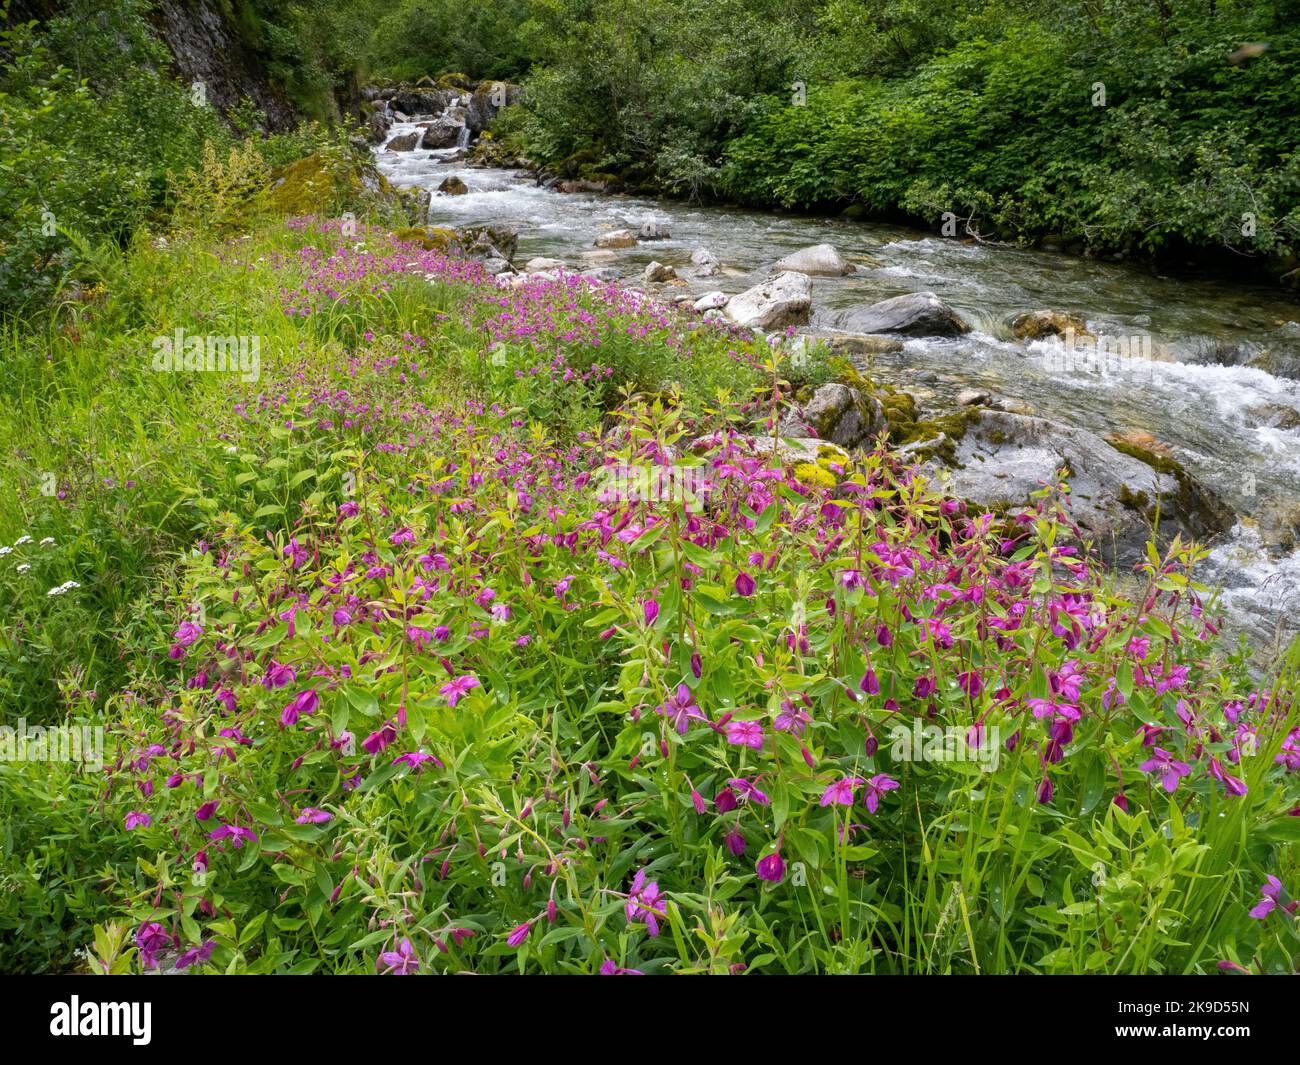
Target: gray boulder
499,241
443,132
917,314
420,102
653,229
774,303
820,260
1003,458
837,413
705,262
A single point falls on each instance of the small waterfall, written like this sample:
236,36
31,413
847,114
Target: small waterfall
462,139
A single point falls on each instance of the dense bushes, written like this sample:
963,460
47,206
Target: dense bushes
988,111
1188,150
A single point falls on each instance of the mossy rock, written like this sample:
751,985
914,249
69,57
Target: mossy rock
457,81
575,164
1203,512
906,426
323,183
815,476
430,238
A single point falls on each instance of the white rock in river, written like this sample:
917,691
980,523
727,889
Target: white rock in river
705,262
711,301
616,238
820,260
540,264
656,271
785,299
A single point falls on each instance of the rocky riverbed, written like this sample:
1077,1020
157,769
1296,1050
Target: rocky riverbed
1003,363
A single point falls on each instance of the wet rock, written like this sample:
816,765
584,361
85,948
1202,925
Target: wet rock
453,186
653,229
774,303
616,238
420,102
820,260
377,125
1281,361
403,142
917,314
858,343
1038,325
1273,416
838,413
1139,438
705,263
603,274
499,240
656,272
443,132
541,264
492,96
1003,458
581,185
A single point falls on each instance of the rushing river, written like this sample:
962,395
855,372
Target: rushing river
1222,391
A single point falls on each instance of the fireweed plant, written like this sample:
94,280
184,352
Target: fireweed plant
419,684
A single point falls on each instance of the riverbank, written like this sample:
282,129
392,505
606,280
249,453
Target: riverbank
469,628
1212,386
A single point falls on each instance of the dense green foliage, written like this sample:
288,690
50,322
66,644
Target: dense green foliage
1101,125
95,135
991,111
403,657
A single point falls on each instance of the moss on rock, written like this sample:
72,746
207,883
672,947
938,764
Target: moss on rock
328,182
430,238
1197,507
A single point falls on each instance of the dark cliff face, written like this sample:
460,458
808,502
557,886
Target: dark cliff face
205,47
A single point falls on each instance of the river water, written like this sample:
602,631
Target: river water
1222,390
